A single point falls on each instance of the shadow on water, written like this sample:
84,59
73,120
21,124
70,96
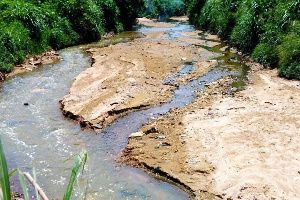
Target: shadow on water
39,136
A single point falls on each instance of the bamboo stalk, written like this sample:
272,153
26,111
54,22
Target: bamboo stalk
39,189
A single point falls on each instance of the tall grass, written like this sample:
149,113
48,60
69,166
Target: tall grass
80,161
4,175
28,27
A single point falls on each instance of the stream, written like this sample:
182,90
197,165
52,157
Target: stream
39,136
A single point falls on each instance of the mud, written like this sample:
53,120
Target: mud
34,62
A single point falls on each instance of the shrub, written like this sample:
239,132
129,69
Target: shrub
129,11
245,33
289,56
268,29
167,8
265,54
85,18
111,14
29,27
14,45
194,11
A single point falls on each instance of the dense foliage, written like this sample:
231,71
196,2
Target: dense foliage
29,27
269,30
167,8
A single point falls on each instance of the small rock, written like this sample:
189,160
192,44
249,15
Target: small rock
136,134
26,104
165,144
160,137
183,59
97,126
183,135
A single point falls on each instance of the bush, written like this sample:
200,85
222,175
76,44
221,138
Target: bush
129,11
194,11
29,27
85,18
14,44
167,8
265,54
267,29
111,14
289,56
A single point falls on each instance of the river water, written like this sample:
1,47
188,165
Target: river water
38,136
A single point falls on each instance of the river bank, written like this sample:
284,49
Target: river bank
32,63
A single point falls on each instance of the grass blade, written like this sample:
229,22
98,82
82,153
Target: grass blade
12,173
35,188
81,158
23,185
4,176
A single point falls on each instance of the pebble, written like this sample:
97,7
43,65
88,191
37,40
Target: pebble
136,134
98,126
183,135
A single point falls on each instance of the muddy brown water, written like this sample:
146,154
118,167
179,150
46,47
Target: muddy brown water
39,136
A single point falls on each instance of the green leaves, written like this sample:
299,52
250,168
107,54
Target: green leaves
29,27
267,29
4,176
80,162
23,185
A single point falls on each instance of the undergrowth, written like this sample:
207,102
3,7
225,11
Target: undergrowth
29,27
266,29
166,8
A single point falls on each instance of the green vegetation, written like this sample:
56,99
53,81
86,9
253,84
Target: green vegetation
269,30
29,27
5,192
167,8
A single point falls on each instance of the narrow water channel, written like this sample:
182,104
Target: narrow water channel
39,136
